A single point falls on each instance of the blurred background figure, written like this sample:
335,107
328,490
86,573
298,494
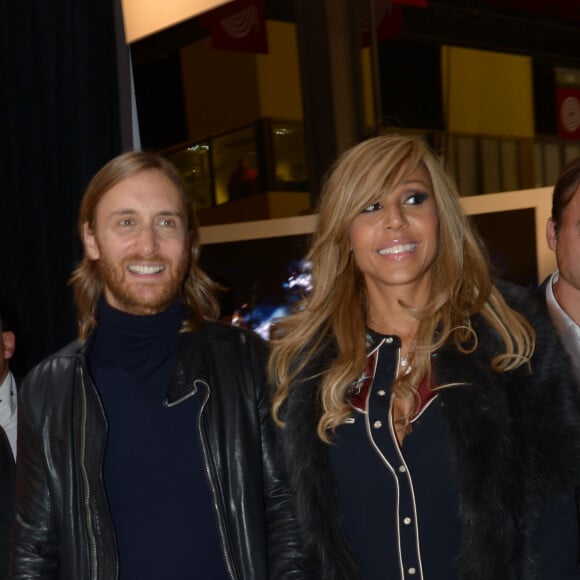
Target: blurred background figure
563,286
8,417
243,180
8,395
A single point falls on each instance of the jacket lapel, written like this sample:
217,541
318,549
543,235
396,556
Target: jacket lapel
191,364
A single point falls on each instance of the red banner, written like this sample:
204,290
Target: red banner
568,105
239,25
411,2
388,21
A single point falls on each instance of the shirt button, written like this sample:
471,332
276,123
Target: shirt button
407,521
389,340
377,424
411,571
402,468
381,393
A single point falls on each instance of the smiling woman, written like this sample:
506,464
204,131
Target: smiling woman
412,396
394,243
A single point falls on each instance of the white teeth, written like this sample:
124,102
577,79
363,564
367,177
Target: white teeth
145,269
398,249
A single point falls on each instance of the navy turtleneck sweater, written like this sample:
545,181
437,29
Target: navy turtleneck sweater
153,471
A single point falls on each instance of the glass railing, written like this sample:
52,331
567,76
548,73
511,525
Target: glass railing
269,156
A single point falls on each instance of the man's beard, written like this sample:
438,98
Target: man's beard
143,298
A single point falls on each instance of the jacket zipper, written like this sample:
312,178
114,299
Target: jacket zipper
205,451
90,535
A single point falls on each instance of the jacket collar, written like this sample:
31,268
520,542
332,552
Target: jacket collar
191,363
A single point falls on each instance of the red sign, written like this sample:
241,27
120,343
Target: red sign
411,2
568,105
239,26
388,21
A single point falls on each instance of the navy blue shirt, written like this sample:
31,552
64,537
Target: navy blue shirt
399,503
153,472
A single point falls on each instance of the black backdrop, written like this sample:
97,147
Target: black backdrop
59,122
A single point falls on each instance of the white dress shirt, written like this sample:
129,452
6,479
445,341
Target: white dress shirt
8,405
569,331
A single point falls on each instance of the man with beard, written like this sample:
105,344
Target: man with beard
146,449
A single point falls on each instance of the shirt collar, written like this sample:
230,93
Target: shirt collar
568,330
8,392
561,319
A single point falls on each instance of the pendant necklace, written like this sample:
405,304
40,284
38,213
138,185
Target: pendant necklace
404,364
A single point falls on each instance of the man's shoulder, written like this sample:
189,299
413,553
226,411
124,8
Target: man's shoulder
216,333
528,300
227,354
218,329
70,350
531,303
222,339
57,362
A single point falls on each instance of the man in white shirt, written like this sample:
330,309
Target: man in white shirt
7,443
563,286
8,394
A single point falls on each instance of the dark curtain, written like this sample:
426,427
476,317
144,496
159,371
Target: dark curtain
59,123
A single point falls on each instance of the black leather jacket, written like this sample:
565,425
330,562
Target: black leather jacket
63,525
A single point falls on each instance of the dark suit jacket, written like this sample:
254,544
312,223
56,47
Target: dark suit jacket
7,500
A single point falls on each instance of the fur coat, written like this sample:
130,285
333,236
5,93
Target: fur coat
515,447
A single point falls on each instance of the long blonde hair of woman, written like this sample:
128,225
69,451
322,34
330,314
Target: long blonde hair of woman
336,308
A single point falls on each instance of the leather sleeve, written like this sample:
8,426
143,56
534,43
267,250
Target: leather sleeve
286,556
262,535
34,542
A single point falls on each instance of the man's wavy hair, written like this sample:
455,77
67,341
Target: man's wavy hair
564,190
198,291
336,309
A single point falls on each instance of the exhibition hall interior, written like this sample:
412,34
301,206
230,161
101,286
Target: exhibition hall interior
253,100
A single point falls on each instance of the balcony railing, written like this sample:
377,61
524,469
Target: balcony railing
269,156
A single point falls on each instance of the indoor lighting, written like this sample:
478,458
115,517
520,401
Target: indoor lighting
145,17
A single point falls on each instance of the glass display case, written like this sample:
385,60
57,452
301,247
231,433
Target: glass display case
268,155
194,163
